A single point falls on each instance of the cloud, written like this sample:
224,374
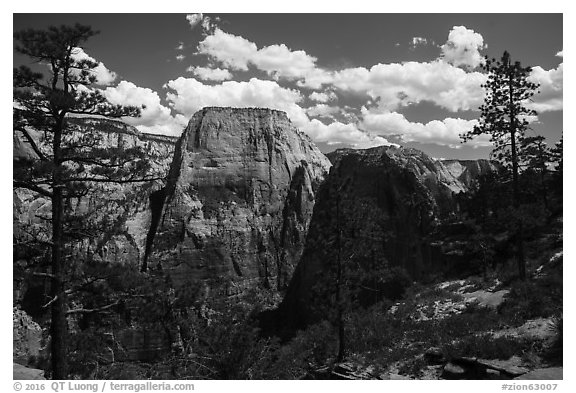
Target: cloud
180,57
238,53
188,95
560,54
211,74
180,46
207,23
322,110
233,51
420,41
194,19
462,48
551,81
155,118
323,97
395,85
103,75
338,133
446,132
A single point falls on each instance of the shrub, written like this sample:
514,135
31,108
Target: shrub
554,353
532,299
485,346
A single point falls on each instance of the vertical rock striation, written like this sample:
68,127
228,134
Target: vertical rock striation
238,201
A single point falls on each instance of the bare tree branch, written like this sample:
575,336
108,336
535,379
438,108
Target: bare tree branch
93,310
32,187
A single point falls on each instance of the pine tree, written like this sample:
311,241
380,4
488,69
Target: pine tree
504,116
69,164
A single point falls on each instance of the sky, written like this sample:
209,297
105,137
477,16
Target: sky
347,80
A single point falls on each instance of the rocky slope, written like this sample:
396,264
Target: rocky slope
384,202
238,201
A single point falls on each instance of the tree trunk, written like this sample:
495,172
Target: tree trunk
516,190
341,344
59,324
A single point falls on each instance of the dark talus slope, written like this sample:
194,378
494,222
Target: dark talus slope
236,208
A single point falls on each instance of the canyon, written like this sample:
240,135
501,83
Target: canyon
245,200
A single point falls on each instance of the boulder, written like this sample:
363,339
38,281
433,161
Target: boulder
453,371
511,367
487,299
23,373
435,356
550,373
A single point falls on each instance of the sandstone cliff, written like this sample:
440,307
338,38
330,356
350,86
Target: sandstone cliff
466,171
238,201
383,203
120,210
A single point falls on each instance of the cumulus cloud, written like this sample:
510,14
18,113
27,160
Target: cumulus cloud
449,82
194,19
207,23
188,95
395,85
155,118
446,132
210,74
560,54
462,48
551,88
322,110
180,57
180,46
338,133
238,53
323,97
103,75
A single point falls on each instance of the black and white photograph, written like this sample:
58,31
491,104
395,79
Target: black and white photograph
287,196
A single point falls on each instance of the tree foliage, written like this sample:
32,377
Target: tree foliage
504,114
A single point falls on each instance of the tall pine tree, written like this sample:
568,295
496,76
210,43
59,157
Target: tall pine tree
504,116
67,164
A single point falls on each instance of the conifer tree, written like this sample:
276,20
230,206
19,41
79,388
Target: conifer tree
68,164
505,118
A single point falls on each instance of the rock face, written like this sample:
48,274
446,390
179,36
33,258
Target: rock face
27,337
385,201
466,171
238,201
123,206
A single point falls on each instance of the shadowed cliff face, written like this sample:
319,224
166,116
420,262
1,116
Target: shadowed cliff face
238,201
386,202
